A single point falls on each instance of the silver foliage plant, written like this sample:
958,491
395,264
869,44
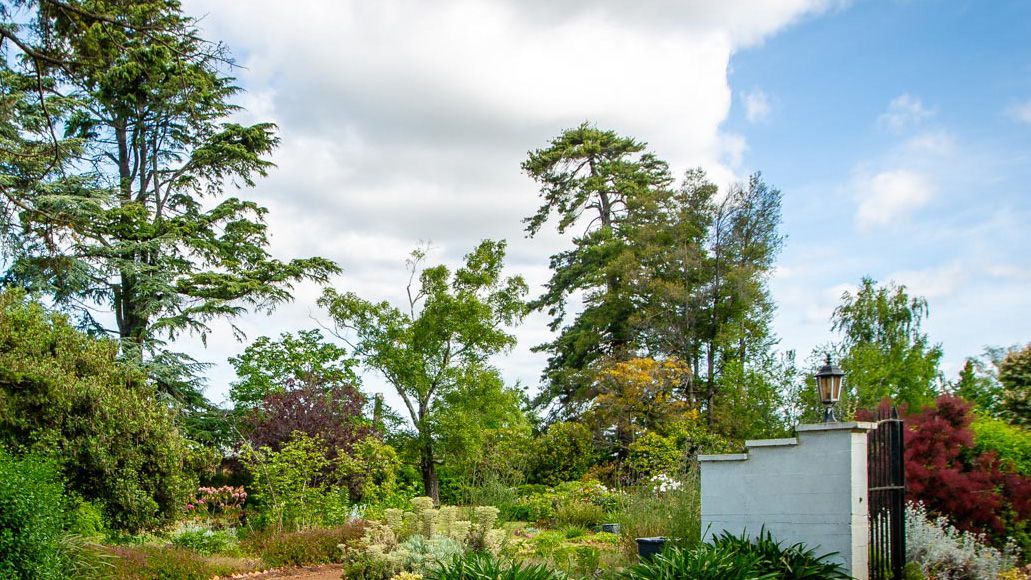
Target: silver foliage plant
946,553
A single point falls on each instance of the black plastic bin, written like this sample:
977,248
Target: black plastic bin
647,548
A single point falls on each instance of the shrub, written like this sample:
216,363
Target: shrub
731,557
580,514
653,454
562,453
219,505
316,546
420,555
1010,443
944,472
417,539
66,396
31,518
86,519
486,567
167,563
290,488
942,551
675,513
206,541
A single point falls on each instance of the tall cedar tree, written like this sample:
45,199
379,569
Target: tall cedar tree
452,325
592,180
138,222
662,272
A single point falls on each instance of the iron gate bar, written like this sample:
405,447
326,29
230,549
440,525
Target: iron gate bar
886,492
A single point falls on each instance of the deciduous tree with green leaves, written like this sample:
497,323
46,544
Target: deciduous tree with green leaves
268,366
886,354
454,321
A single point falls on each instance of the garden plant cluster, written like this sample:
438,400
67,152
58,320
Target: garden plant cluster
120,142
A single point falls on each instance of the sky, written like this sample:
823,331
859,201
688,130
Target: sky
899,133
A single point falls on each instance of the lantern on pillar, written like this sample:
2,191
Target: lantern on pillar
828,380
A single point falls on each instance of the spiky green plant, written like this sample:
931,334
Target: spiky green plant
485,567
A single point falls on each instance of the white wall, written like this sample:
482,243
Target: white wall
809,489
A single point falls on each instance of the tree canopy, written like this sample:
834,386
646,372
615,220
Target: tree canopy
453,322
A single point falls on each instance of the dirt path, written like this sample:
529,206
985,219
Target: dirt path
328,572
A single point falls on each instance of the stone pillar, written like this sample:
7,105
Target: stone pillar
810,489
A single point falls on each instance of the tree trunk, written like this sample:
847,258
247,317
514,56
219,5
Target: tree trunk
430,482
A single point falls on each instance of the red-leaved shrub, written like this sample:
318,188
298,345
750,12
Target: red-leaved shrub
946,474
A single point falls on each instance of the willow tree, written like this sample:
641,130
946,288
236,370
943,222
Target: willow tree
430,350
136,224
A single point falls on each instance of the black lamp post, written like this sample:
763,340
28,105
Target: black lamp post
828,381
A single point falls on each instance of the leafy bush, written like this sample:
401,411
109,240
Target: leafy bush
731,557
562,453
579,513
86,519
942,551
486,567
944,472
316,546
290,488
574,498
1010,443
67,396
653,454
205,540
31,518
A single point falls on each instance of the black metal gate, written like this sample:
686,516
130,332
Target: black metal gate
886,483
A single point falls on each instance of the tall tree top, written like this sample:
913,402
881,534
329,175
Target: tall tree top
590,169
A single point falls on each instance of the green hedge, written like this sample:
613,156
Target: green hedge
31,518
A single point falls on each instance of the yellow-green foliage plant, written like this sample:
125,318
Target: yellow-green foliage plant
421,539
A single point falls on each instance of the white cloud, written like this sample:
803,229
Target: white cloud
1020,112
405,120
757,105
933,283
889,196
904,110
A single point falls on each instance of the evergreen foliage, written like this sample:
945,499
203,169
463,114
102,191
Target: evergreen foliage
137,222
